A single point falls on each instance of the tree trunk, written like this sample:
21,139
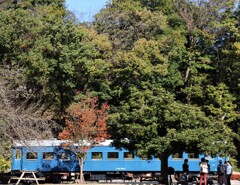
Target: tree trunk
164,168
81,177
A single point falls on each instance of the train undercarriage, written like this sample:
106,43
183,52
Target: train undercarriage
58,177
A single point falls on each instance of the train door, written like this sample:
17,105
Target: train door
17,159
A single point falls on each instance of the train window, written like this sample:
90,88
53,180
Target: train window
177,156
96,155
48,155
64,155
18,154
112,155
128,155
32,155
193,155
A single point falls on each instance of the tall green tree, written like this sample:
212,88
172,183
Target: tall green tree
227,65
127,21
212,29
163,96
150,116
59,57
205,22
45,60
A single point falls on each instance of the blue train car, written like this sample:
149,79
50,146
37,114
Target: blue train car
102,162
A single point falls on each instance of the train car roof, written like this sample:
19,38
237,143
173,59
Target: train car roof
50,142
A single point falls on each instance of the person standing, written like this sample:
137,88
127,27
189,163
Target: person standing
229,171
221,173
209,167
185,168
203,171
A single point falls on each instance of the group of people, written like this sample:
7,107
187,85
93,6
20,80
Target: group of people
224,171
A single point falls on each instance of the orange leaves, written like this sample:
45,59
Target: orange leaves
85,126
86,121
64,134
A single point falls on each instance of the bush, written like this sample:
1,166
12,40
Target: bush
4,164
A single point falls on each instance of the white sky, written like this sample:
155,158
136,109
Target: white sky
85,9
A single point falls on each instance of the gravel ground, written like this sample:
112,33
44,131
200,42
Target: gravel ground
120,182
233,182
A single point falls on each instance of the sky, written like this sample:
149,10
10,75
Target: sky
85,9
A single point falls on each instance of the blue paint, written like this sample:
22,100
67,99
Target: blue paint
105,164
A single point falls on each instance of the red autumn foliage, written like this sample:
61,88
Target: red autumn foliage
86,121
85,127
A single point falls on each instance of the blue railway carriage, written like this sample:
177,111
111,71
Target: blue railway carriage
103,162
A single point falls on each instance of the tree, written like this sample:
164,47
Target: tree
20,116
154,121
228,65
85,127
127,21
213,57
22,31
206,23
44,60
21,107
156,102
58,57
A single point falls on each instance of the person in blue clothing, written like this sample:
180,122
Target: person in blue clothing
229,171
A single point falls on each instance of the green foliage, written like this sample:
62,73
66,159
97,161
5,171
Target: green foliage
169,69
235,166
127,22
33,3
166,96
60,3
59,58
5,164
5,157
220,102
